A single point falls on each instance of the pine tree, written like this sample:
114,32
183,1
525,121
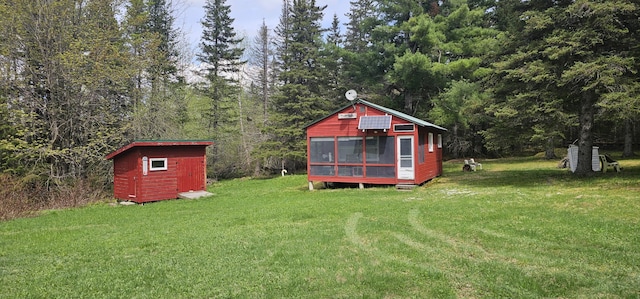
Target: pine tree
73,83
220,55
300,99
363,18
364,61
331,57
282,39
161,22
335,36
577,50
221,60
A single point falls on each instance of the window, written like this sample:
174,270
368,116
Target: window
380,150
439,140
421,148
156,164
321,150
430,142
350,149
403,128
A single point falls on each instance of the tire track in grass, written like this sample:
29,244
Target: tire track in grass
472,251
433,269
476,253
466,248
351,229
458,249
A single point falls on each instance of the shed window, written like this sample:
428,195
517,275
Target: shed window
439,140
156,164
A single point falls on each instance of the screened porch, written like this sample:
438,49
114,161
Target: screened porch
371,156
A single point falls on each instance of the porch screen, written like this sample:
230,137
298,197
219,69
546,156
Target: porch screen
321,150
350,149
350,156
322,156
380,152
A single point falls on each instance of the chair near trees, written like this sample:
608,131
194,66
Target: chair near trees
607,162
471,165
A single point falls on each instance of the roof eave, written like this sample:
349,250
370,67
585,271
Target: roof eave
395,113
139,143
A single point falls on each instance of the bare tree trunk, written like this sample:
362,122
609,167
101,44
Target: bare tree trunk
549,152
585,144
408,103
628,139
246,152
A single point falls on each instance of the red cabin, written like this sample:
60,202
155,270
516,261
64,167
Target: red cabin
365,143
145,171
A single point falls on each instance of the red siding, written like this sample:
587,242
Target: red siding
126,172
185,171
332,126
432,166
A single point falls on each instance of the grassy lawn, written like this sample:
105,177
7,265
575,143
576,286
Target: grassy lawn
520,228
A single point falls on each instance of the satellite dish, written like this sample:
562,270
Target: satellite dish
351,94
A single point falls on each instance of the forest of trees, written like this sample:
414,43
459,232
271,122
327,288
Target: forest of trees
80,78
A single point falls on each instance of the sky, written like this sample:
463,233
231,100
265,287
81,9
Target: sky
248,15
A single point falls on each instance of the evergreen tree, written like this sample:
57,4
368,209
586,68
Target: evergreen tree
363,18
577,50
161,22
300,99
438,50
158,106
282,39
221,59
460,109
72,81
331,58
220,55
335,37
362,62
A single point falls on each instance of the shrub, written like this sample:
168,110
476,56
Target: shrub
25,196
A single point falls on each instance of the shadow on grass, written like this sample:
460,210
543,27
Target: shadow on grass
630,175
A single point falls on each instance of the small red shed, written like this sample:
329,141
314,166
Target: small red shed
145,170
366,143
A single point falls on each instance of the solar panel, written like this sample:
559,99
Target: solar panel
378,122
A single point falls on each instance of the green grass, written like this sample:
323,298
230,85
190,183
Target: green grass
520,228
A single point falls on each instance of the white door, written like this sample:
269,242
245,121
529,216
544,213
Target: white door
405,158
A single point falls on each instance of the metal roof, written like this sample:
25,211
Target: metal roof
395,113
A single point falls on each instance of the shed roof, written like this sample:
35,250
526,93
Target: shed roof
395,113
139,143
